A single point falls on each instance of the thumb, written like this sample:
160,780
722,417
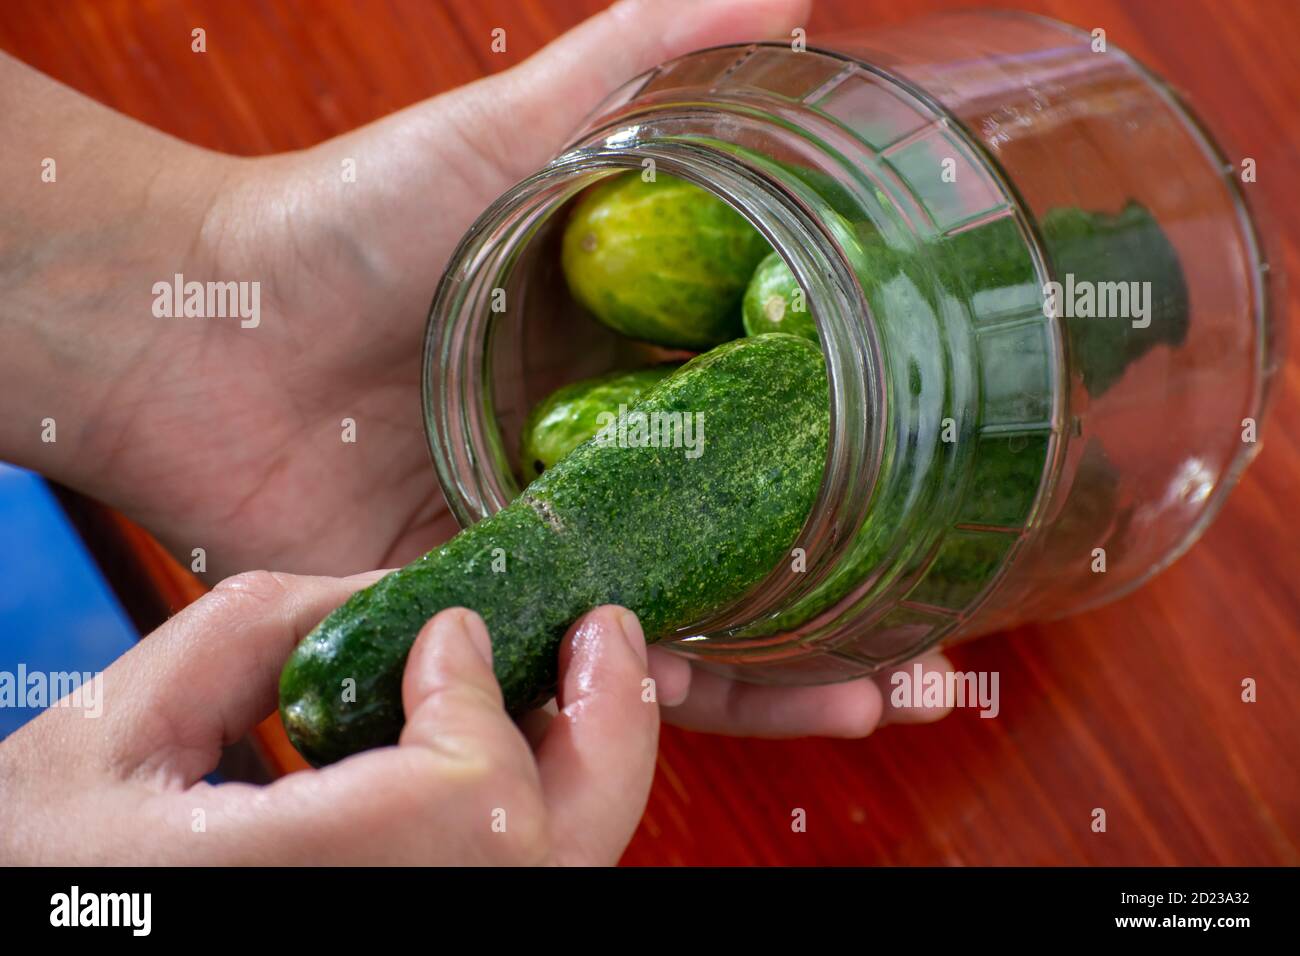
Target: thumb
198,682
558,87
464,148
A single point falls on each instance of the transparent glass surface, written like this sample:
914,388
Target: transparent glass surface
1043,305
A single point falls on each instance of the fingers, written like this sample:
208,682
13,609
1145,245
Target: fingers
202,679
561,84
467,146
854,709
671,674
453,703
898,705
722,706
598,753
460,787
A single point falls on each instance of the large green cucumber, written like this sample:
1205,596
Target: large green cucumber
662,261
672,536
570,415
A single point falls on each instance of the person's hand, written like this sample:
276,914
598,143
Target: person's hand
229,439
245,458
463,786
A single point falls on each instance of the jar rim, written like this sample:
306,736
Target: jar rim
460,427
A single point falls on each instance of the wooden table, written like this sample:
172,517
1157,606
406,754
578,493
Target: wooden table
1135,708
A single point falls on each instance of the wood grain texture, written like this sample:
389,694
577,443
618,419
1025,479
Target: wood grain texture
1134,707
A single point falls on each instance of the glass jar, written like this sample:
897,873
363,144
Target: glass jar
1043,305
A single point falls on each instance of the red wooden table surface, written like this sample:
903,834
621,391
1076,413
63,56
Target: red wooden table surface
1135,708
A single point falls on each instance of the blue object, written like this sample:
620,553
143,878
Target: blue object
57,613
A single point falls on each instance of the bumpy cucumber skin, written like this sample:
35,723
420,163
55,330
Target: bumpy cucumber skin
771,305
664,261
670,537
570,415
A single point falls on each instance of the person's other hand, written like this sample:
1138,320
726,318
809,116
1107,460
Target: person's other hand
463,785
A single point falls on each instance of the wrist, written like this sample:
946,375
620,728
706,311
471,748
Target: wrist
84,349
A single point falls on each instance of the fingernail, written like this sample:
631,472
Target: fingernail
476,632
633,634
671,689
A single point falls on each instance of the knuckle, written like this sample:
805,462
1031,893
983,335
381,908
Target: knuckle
260,586
496,818
241,595
448,760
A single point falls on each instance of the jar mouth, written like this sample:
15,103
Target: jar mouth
460,423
